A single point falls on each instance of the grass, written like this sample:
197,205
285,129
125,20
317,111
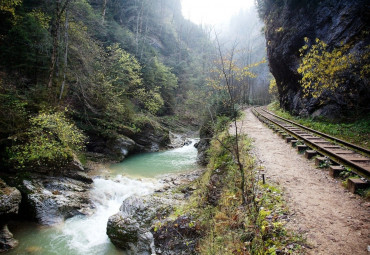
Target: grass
353,131
259,227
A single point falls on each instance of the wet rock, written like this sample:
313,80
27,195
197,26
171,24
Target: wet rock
79,176
151,138
113,148
123,230
122,146
51,200
10,199
202,147
7,241
178,140
129,229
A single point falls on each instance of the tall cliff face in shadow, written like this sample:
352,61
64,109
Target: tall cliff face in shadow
288,22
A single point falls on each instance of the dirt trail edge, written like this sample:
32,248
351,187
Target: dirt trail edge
333,220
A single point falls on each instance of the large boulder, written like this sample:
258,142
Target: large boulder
129,229
10,198
50,200
151,138
7,241
116,148
178,140
126,233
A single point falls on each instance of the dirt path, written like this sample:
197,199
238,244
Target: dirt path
333,220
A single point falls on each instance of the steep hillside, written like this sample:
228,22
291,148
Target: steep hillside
110,72
339,31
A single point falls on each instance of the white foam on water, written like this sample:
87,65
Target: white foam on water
83,235
86,233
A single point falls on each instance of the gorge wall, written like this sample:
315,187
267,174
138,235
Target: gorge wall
288,22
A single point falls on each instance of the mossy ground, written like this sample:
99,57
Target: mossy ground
228,227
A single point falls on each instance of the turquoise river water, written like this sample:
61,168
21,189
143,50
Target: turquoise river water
82,235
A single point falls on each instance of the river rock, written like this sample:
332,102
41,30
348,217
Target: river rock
116,148
202,147
122,146
51,200
7,241
178,140
10,198
129,229
151,138
125,232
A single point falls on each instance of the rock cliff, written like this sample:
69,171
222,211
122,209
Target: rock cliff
335,22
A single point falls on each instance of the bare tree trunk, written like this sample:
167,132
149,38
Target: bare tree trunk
229,84
145,33
104,10
139,24
54,33
59,10
65,55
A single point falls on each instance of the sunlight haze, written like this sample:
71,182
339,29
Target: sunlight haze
213,11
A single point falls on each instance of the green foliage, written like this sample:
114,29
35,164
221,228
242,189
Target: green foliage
273,90
144,59
9,6
123,71
27,45
222,123
323,70
13,114
51,141
228,227
159,83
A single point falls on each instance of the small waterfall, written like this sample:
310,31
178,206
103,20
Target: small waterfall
86,234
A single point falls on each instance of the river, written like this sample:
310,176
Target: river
80,235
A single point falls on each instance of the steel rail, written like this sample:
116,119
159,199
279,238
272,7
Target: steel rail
353,146
355,163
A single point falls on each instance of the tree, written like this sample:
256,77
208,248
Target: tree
50,141
158,78
123,71
60,8
9,6
226,74
324,70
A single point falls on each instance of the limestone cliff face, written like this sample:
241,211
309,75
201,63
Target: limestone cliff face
287,22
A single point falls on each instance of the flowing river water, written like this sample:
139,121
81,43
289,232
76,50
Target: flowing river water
80,235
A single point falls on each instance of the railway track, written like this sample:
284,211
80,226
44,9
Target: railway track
340,153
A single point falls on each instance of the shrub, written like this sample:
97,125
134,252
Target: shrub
322,69
50,141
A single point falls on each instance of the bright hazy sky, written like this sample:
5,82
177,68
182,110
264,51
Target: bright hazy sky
213,11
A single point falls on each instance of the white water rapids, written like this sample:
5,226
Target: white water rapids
81,234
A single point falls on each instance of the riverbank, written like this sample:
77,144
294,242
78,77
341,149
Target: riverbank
214,219
83,234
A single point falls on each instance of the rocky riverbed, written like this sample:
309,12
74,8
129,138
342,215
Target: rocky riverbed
78,201
141,226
